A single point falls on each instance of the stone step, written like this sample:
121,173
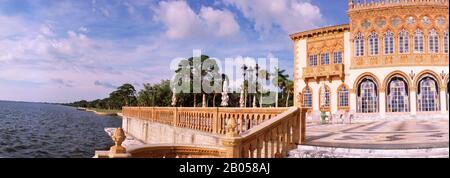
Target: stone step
308,151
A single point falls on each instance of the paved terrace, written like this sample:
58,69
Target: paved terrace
385,134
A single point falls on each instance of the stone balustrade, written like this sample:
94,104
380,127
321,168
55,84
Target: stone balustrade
242,133
271,139
323,71
211,120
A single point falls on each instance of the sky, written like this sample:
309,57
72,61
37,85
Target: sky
69,50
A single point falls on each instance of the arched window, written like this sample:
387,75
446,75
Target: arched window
389,42
373,44
428,94
343,97
324,97
367,96
403,42
418,41
397,95
446,41
359,45
307,98
433,41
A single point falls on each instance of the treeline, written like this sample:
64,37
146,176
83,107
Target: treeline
160,94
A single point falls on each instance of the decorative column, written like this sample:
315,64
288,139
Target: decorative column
413,101
382,100
443,101
353,100
333,99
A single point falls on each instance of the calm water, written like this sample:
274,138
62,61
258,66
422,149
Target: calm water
31,130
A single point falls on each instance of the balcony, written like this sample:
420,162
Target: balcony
324,71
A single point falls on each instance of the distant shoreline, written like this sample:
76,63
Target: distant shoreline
100,111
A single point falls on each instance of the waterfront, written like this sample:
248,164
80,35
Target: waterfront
35,130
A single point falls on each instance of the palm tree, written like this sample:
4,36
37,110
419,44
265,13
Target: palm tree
280,80
289,90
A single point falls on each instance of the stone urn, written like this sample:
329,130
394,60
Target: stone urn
118,137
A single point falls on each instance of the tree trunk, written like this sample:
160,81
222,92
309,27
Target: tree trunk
204,101
214,99
276,100
195,100
287,99
260,100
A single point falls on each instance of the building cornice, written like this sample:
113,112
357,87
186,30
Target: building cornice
320,31
371,5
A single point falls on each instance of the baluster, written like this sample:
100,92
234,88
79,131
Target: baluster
274,143
266,145
259,146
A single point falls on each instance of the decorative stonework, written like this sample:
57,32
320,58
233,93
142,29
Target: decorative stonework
409,17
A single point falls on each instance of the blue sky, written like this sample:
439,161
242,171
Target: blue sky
67,50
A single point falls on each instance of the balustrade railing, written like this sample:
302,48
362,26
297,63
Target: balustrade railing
211,120
271,139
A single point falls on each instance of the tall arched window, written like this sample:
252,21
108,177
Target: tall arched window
343,97
428,94
418,41
389,42
307,98
359,45
397,95
403,42
367,96
446,41
433,41
373,44
325,97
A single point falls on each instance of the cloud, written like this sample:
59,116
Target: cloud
290,15
105,84
11,26
62,82
182,22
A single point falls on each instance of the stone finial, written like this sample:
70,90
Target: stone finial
225,97
118,137
174,98
242,99
232,127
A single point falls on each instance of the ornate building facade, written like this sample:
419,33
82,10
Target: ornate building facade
391,59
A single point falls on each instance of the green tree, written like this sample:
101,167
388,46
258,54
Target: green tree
208,75
127,92
289,90
280,81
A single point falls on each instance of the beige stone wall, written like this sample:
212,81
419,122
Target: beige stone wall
156,133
